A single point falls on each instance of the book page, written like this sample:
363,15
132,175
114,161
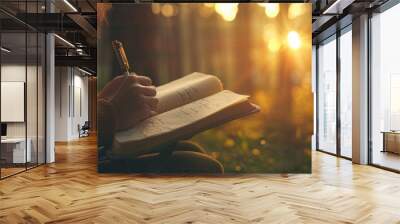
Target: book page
185,90
180,117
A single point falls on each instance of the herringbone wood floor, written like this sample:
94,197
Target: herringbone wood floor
71,191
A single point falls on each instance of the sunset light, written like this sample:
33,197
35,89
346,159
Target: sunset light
271,9
227,11
294,39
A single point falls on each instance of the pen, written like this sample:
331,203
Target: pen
121,56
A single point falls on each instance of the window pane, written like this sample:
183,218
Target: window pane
386,89
327,97
346,94
314,77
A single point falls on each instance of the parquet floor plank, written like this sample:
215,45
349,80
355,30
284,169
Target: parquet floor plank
71,191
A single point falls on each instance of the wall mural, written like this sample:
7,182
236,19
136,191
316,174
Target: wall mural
204,88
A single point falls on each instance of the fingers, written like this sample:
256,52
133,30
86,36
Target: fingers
145,90
112,87
121,79
151,102
138,89
143,80
138,94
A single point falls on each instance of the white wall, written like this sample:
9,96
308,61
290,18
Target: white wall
71,94
61,103
13,100
9,73
81,104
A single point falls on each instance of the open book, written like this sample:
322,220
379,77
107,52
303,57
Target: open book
187,106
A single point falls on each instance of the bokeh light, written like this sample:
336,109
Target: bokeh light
274,45
271,38
294,40
156,8
167,10
271,9
296,10
227,11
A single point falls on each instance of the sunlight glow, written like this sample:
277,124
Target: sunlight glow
227,11
294,39
272,38
295,10
156,8
271,9
274,45
167,10
209,5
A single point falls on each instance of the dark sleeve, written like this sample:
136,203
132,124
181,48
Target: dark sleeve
105,122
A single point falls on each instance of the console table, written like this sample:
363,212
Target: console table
391,141
13,150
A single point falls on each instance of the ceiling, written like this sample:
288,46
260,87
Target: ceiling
75,21
331,15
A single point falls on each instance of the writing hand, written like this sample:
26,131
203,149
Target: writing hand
132,97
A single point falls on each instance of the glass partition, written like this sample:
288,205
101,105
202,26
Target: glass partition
22,92
14,151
